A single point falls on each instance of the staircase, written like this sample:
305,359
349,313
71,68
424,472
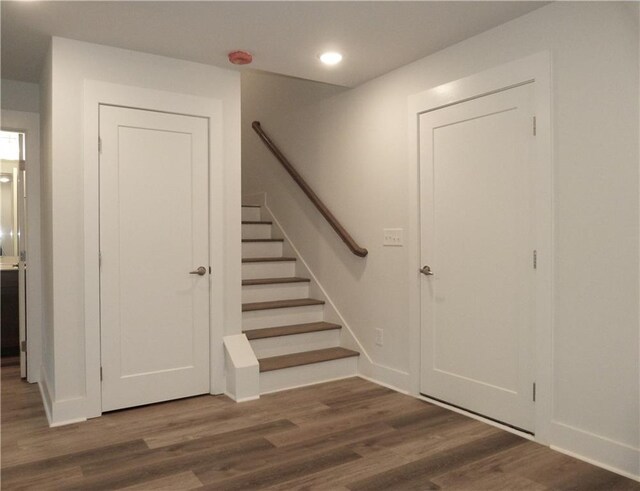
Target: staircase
286,328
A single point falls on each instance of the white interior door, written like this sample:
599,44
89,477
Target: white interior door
154,230
478,239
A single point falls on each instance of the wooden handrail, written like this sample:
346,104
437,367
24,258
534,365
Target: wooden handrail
322,208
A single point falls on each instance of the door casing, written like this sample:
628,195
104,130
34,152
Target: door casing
29,124
535,68
97,93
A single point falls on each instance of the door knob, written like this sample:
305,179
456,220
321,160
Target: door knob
426,270
201,271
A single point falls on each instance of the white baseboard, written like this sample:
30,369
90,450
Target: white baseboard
64,412
385,376
243,399
45,393
597,450
299,386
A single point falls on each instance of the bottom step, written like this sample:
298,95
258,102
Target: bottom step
305,368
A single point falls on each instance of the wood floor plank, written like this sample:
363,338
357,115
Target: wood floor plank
286,471
68,461
136,471
418,474
338,477
218,441
176,482
311,445
349,433
58,479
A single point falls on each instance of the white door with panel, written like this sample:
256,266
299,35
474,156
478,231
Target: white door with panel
154,246
478,251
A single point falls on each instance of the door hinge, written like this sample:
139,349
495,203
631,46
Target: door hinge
534,392
535,259
535,129
99,145
22,165
23,256
101,374
99,259
23,346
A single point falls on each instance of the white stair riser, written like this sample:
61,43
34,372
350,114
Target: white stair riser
276,291
259,319
262,249
256,231
250,213
284,345
314,373
277,269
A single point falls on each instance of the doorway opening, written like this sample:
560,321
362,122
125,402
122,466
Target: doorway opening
13,240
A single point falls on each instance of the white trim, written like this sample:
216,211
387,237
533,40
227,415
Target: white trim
60,413
29,123
242,399
45,394
603,452
533,68
383,384
96,93
335,379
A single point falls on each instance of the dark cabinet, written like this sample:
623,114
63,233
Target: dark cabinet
10,330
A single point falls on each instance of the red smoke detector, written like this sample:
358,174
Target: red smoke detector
240,57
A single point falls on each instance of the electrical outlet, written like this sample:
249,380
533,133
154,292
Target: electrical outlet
379,337
392,237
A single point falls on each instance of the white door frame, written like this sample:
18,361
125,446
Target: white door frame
29,123
535,68
96,93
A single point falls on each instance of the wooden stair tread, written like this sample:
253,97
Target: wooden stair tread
266,259
280,304
262,240
304,358
273,281
256,222
272,332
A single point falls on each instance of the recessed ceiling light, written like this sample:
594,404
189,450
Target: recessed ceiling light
331,58
5,179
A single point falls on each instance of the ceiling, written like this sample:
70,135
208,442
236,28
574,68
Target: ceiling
284,37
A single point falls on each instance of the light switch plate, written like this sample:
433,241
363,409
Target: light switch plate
379,337
393,237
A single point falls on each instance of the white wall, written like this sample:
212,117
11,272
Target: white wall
352,147
71,63
20,96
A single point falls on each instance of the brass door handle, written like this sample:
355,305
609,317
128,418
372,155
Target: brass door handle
201,271
426,270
